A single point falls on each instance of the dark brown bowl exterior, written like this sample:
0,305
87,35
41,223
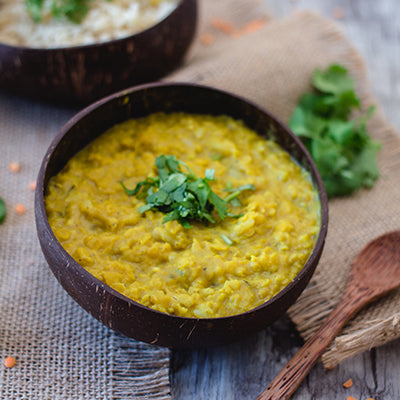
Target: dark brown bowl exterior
82,74
115,310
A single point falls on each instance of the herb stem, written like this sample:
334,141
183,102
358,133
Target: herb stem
232,196
226,239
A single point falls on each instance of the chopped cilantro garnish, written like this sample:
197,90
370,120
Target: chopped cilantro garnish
340,145
183,196
3,211
232,198
226,239
34,8
73,10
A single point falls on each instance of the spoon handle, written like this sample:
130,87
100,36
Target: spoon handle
290,377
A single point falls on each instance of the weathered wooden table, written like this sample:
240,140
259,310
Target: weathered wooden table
242,370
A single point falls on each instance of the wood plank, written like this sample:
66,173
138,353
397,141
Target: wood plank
242,370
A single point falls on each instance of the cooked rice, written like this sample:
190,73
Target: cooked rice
106,20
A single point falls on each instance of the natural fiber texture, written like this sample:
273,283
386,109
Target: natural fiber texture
62,352
272,66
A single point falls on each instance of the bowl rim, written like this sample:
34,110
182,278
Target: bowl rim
89,46
40,210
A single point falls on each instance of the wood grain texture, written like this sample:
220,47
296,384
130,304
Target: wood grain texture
243,370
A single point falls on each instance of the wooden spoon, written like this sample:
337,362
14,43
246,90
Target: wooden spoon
375,272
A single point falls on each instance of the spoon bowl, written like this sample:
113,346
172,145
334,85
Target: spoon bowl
378,264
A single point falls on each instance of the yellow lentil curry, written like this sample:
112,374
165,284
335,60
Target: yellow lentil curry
188,272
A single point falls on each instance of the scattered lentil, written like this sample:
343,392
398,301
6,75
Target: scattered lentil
348,384
222,25
9,362
228,28
14,167
20,209
251,27
32,185
207,39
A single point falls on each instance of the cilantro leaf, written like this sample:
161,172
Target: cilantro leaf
147,183
34,8
3,210
334,80
183,196
337,90
73,10
305,123
340,145
219,204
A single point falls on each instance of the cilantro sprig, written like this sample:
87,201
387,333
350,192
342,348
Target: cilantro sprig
73,10
183,196
340,145
3,211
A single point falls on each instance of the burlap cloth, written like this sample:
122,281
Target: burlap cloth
62,352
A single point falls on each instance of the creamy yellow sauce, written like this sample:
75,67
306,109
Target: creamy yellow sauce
188,272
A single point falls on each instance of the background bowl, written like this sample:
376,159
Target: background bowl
82,74
117,311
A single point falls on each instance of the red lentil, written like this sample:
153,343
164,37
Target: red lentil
32,185
252,26
9,362
20,209
14,167
348,384
222,25
207,39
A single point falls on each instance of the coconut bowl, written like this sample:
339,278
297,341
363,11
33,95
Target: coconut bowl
79,75
114,309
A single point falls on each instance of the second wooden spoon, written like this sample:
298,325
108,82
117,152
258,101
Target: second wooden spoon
375,272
